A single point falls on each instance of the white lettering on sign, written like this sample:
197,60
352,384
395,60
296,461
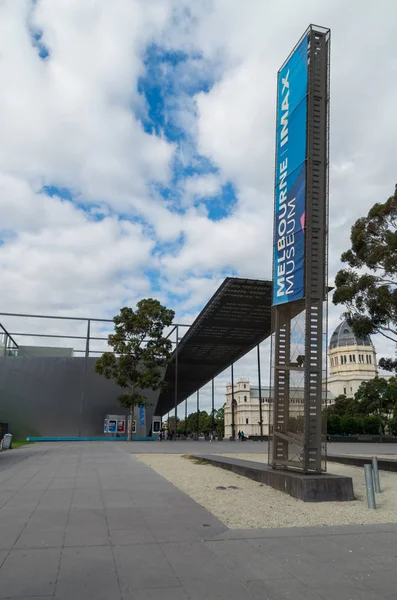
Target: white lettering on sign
286,220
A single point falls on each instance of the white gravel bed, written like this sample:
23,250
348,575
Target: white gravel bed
253,505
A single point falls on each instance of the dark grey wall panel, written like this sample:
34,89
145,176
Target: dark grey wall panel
44,396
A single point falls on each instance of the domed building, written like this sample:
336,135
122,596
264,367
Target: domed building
352,359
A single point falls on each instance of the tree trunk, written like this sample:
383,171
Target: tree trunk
129,436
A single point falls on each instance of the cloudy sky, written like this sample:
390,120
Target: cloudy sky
137,145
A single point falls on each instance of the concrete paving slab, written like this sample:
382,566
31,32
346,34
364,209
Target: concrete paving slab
4,497
37,484
161,500
48,520
62,483
83,484
215,590
131,537
27,499
40,539
91,521
117,499
330,551
201,574
174,533
377,545
91,534
380,584
246,562
3,556
13,485
281,589
81,517
87,573
125,518
143,567
172,593
186,556
60,498
346,588
89,499
9,533
169,525
29,573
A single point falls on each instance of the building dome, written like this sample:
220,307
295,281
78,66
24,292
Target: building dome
345,336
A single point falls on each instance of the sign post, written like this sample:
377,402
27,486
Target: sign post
300,251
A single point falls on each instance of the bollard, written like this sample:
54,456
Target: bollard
376,475
369,484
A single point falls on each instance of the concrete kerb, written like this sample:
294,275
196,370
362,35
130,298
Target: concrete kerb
384,464
309,488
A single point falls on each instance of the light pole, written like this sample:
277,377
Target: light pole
260,394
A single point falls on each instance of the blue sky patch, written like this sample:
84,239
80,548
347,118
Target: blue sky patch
37,42
61,192
94,211
169,85
169,76
220,206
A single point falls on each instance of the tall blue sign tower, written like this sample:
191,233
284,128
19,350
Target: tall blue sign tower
300,252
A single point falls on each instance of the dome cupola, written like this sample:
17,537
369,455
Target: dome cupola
345,336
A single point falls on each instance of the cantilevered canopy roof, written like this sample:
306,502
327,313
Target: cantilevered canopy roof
235,320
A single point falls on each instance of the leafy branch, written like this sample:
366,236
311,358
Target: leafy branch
140,353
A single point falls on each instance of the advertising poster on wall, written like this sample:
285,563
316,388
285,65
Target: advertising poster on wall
133,425
142,415
112,426
290,183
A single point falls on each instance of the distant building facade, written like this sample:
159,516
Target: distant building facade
351,360
42,351
247,411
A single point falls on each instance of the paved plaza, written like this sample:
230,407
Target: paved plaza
89,520
248,447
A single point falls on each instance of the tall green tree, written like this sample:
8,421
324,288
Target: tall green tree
350,425
372,295
204,423
220,421
374,405
334,424
140,353
342,407
378,397
388,364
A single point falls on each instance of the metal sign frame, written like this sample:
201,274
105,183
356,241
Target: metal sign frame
282,440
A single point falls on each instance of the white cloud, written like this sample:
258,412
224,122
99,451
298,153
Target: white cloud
231,127
201,186
70,121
